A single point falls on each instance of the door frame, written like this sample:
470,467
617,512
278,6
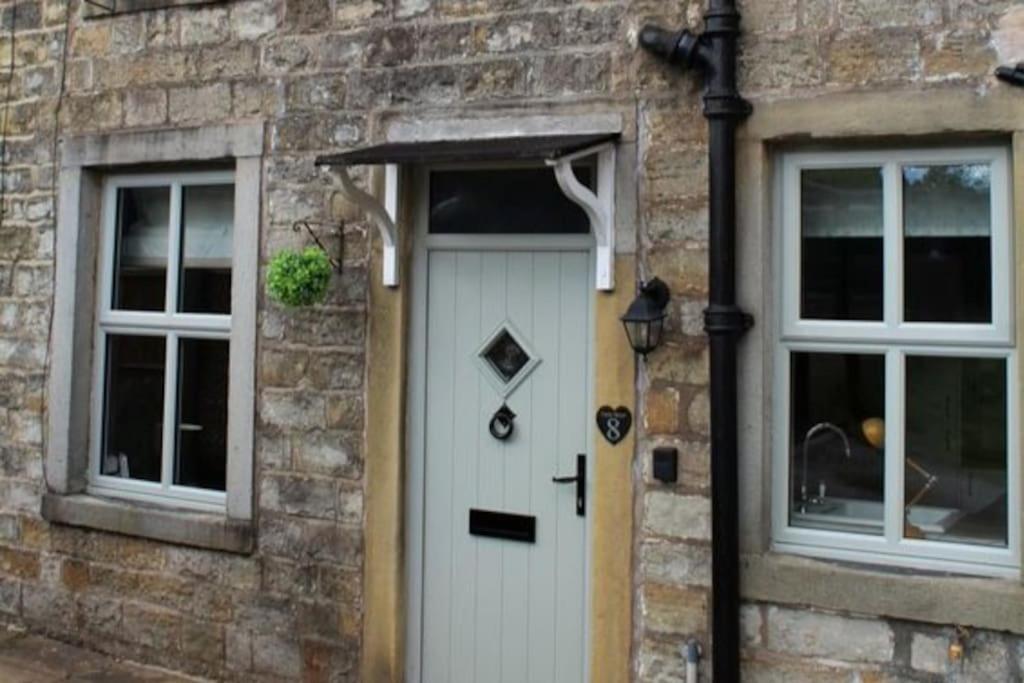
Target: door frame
391,382
415,489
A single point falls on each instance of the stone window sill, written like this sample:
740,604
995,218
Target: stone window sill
928,597
171,525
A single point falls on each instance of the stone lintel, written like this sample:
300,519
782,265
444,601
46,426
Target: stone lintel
171,145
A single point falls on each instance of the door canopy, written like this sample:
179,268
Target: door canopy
556,151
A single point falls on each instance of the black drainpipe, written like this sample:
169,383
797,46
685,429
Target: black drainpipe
714,53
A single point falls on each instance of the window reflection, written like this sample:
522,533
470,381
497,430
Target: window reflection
956,450
208,215
490,201
140,279
947,243
836,467
841,244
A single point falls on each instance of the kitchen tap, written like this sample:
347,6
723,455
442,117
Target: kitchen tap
821,426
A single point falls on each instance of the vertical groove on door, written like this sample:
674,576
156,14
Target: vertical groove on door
544,384
560,461
516,473
439,416
572,410
466,339
494,291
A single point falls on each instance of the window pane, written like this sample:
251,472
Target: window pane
837,467
947,219
134,407
208,217
202,414
956,450
140,275
841,219
489,201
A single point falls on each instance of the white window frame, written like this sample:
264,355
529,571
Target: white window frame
169,325
895,340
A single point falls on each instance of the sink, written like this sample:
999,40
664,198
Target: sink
866,516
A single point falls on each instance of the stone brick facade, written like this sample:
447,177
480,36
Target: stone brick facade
326,75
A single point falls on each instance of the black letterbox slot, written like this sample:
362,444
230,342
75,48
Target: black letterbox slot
510,527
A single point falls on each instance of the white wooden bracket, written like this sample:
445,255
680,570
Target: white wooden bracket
599,207
382,214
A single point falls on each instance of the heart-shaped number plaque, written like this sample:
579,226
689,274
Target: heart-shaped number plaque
614,423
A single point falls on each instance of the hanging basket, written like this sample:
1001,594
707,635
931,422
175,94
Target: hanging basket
299,278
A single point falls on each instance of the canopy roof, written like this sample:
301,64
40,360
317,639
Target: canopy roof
481,149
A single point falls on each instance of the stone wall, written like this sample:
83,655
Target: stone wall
785,644
326,75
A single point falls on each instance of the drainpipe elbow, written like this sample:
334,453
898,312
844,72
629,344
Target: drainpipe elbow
676,47
1014,75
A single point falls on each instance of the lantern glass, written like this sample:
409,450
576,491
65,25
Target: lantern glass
654,331
635,332
644,335
645,319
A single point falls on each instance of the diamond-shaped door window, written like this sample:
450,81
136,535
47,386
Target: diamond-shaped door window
506,358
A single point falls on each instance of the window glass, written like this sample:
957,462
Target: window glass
947,228
841,218
837,473
140,278
180,449
493,201
956,450
916,230
133,407
208,213
202,414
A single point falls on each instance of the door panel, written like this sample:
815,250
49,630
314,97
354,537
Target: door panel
498,610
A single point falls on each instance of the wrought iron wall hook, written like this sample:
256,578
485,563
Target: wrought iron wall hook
299,226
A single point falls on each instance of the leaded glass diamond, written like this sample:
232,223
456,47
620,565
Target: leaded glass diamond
506,356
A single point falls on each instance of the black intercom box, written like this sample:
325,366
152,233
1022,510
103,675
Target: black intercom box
666,465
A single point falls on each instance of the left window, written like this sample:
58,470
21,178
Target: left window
163,339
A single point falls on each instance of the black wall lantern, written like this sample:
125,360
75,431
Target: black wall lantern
645,318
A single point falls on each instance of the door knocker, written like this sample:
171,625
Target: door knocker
502,423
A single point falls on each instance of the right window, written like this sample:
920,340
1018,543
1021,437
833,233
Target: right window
896,434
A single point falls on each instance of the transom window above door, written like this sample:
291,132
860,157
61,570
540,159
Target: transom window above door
895,436
163,338
488,201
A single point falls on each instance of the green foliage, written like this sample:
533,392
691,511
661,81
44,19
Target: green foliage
299,279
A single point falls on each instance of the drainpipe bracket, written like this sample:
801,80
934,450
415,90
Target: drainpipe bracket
720,319
730,106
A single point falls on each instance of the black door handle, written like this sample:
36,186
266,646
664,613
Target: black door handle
581,483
